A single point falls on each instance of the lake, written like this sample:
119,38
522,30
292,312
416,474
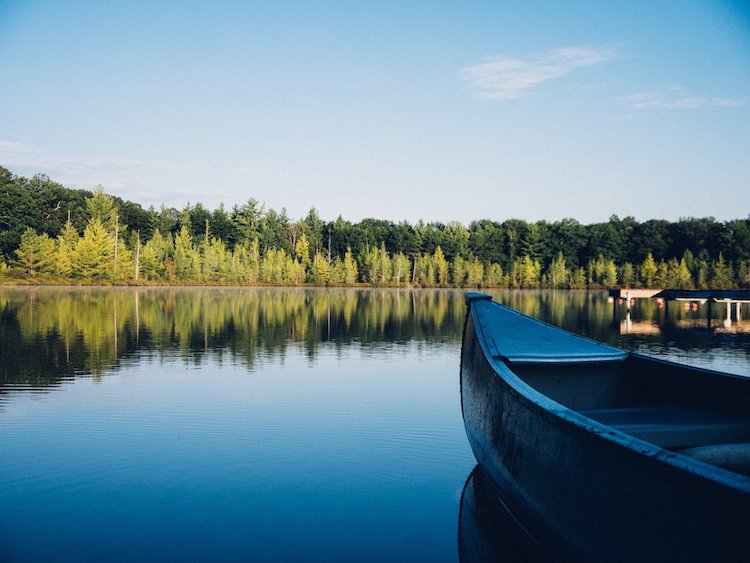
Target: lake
267,424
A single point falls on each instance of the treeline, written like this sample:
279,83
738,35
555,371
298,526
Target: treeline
55,234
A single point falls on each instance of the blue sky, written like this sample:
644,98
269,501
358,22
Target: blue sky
398,110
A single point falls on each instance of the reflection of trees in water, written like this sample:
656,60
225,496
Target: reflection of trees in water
50,333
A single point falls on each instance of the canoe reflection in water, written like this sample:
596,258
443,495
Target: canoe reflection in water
487,531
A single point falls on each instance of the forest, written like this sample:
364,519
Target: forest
53,234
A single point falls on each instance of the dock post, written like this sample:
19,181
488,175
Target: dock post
728,320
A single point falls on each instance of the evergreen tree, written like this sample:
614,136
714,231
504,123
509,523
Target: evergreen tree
609,279
93,254
350,268
321,270
100,207
246,262
247,220
557,273
627,275
474,272
302,252
531,241
425,271
401,269
743,273
721,274
186,257
679,275
154,256
36,254
579,279
458,271
648,271
494,276
67,241
662,275
442,270
337,275
528,272
215,261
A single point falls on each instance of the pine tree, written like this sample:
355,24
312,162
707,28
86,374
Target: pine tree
679,274
494,275
662,275
609,278
350,268
627,275
722,276
321,270
458,271
64,259
100,206
302,250
474,272
442,269
93,254
186,257
36,253
648,271
401,268
557,273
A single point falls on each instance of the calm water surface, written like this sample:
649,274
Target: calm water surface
266,424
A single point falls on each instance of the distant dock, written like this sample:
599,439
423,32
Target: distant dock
716,295
707,296
702,295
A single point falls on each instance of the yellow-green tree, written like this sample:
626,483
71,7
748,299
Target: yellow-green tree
494,276
321,269
401,269
66,247
648,271
350,268
186,256
679,274
722,274
442,269
36,253
93,254
458,271
474,272
557,273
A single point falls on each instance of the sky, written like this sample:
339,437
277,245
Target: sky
415,110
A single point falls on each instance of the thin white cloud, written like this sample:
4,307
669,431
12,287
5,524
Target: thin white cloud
148,182
677,98
119,176
79,170
14,146
728,102
507,78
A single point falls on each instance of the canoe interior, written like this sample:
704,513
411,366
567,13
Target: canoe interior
671,406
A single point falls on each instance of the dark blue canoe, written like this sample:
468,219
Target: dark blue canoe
601,453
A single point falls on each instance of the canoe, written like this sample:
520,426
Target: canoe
604,454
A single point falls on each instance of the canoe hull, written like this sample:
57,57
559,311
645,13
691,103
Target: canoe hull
586,493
